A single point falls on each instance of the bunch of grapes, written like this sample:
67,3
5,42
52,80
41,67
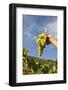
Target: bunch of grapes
41,42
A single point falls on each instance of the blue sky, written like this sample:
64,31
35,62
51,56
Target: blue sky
34,25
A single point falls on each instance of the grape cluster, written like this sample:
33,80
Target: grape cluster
41,42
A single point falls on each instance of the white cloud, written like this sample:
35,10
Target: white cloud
52,28
31,36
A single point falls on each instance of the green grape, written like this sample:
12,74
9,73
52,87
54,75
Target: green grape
41,35
41,42
40,50
38,42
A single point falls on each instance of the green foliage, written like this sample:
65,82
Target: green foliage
25,51
39,66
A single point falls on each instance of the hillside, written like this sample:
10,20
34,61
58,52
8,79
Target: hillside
34,65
